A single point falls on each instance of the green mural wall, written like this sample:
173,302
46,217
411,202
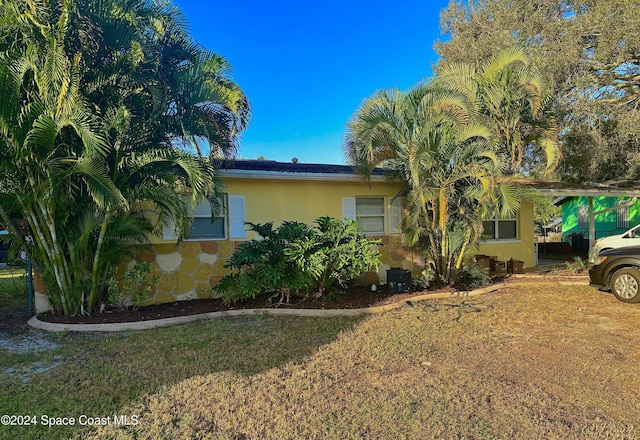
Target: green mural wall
606,223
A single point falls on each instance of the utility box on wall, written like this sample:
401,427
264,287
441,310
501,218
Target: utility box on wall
399,280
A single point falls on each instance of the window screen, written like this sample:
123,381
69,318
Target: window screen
370,214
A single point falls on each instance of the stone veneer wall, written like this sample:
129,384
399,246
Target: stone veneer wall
189,269
185,270
393,253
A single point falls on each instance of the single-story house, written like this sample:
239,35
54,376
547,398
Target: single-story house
612,215
260,191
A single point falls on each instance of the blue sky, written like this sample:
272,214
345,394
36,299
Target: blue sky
307,66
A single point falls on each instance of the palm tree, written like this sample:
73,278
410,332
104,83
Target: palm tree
105,111
512,96
48,135
429,139
155,184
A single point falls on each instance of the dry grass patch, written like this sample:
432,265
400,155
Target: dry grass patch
539,361
100,374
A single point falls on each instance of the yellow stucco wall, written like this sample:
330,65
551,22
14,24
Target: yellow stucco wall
278,200
188,269
521,249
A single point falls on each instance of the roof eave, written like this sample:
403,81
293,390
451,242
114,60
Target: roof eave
596,192
561,200
283,175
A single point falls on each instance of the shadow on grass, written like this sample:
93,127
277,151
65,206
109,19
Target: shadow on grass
101,373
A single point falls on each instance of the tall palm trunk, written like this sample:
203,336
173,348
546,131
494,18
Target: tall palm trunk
96,273
463,250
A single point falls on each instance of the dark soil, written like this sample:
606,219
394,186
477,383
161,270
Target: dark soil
13,321
355,297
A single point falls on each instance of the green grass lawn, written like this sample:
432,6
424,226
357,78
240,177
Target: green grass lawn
539,361
13,292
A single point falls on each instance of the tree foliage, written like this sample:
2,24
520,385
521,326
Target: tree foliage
512,98
588,50
110,115
428,138
453,140
262,268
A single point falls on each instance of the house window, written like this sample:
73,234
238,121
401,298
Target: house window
207,225
583,216
500,228
228,221
370,214
622,216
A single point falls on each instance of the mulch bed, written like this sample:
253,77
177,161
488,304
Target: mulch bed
355,297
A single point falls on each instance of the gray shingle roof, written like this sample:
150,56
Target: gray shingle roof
289,167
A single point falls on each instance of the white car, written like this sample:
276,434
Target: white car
629,238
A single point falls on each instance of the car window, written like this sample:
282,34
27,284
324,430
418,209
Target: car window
631,233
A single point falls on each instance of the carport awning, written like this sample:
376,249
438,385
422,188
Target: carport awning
556,221
565,190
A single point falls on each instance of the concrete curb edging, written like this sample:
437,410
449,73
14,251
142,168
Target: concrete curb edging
166,322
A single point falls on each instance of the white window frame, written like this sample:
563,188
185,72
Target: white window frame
383,215
496,219
222,214
234,213
622,216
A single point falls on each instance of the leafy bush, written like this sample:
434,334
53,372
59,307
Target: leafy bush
296,259
423,280
262,266
337,255
578,265
136,286
473,275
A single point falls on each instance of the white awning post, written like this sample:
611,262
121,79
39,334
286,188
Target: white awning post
592,223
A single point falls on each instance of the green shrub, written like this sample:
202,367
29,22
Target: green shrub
296,259
473,275
335,256
136,286
423,280
263,268
578,265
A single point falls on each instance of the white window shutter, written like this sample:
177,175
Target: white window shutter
395,215
237,217
169,232
349,208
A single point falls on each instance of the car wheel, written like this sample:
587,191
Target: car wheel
625,285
